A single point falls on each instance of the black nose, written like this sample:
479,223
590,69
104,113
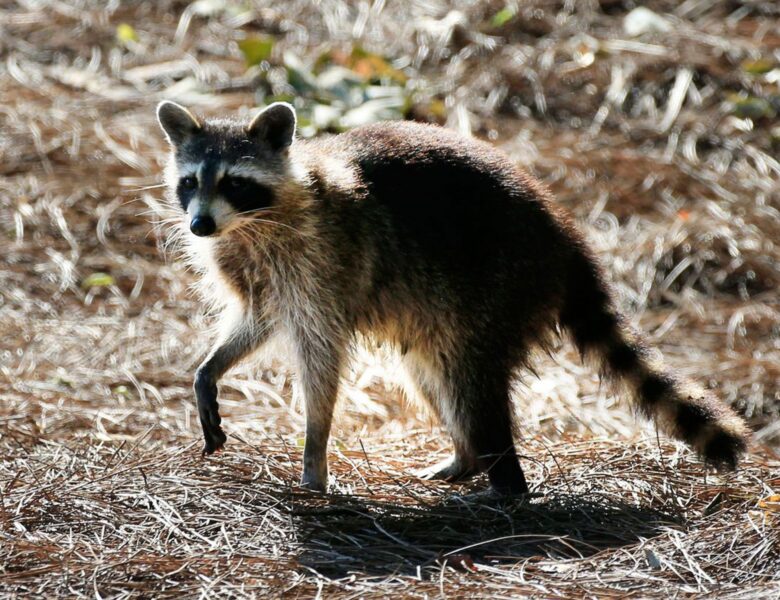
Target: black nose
203,226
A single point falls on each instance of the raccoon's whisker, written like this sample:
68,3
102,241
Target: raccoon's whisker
146,187
245,221
254,211
247,238
153,211
130,201
257,243
165,222
290,227
251,238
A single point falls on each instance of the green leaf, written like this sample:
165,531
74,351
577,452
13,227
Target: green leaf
750,107
256,49
339,83
298,75
372,67
503,16
774,134
59,380
97,280
289,98
757,67
125,33
437,108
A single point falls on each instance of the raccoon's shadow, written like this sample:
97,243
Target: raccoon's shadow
381,538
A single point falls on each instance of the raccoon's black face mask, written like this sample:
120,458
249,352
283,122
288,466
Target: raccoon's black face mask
225,169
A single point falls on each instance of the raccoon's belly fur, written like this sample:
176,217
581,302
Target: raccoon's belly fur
444,248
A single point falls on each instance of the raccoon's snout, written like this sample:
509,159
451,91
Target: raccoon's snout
203,226
209,215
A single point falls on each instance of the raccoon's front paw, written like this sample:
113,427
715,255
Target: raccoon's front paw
208,411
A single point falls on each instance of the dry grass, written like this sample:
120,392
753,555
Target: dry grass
103,492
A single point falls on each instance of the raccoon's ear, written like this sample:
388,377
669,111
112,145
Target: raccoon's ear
176,121
275,125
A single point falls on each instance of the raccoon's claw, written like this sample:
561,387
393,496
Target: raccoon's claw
212,432
214,440
208,410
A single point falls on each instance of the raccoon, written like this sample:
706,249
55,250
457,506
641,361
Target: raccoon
410,235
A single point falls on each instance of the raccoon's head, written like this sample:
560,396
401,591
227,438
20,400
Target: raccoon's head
223,170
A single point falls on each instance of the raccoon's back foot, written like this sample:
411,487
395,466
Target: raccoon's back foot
313,484
213,436
506,476
214,440
453,469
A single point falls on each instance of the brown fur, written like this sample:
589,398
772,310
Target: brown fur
439,246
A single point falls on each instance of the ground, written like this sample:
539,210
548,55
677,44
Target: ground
661,142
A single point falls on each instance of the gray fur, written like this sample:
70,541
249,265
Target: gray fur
413,236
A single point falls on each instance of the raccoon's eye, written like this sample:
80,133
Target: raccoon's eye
188,183
235,183
245,194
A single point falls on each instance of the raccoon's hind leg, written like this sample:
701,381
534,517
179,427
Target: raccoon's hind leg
430,385
482,414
